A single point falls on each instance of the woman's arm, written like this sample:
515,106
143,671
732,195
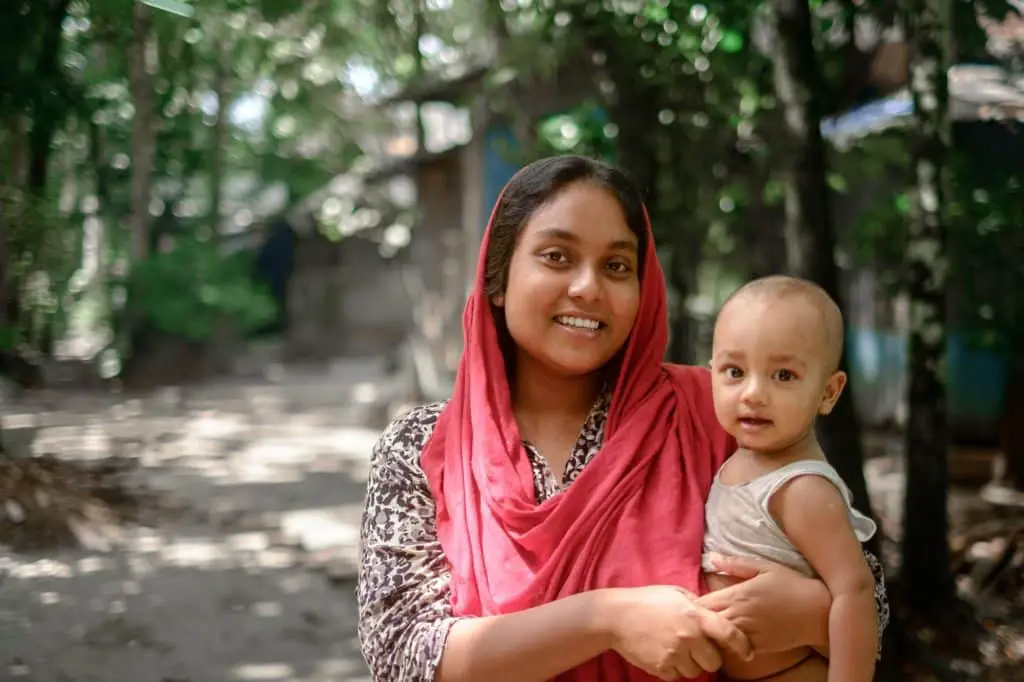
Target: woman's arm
403,588
881,598
658,629
780,609
537,644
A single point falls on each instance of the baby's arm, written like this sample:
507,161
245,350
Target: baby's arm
812,513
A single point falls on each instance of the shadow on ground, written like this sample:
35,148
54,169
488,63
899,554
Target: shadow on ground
244,570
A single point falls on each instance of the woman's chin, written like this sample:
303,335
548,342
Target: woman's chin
572,368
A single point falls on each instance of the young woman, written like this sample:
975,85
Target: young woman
547,521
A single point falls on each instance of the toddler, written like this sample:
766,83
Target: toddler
775,368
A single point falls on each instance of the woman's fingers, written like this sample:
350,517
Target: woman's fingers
738,566
706,656
687,667
720,600
725,634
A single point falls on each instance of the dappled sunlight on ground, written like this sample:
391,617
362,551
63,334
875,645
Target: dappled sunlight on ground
191,608
244,571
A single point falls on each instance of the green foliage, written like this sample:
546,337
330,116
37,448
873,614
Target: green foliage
191,289
987,245
985,239
584,129
43,251
685,97
10,337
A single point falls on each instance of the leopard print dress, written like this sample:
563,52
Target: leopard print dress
403,589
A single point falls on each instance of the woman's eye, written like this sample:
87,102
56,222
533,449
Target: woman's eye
554,257
619,268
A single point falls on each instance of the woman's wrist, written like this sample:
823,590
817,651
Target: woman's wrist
603,613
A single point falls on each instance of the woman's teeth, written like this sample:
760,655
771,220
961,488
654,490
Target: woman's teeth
578,323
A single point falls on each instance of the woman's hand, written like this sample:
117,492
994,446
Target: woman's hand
662,631
778,608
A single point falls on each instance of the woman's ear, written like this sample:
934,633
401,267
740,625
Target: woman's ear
498,301
833,389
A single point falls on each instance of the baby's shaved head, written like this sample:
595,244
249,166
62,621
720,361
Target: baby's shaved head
783,287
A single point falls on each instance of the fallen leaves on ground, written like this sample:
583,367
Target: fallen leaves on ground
47,502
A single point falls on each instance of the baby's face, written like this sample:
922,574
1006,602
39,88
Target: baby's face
770,371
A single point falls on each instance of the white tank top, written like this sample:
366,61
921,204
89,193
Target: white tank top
739,524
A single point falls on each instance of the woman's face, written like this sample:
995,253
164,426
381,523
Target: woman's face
573,284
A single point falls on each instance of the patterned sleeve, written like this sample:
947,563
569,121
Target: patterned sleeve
881,597
403,588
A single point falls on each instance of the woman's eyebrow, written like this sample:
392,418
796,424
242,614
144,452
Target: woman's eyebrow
568,236
558,233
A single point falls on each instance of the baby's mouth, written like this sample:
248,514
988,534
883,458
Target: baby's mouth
755,421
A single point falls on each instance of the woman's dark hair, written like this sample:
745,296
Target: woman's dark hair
537,184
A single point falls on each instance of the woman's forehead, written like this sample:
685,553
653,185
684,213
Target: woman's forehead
582,213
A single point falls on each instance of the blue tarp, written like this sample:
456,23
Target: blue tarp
868,118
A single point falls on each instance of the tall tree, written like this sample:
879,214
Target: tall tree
925,525
142,54
810,242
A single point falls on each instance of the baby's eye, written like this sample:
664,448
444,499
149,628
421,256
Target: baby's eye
733,372
785,375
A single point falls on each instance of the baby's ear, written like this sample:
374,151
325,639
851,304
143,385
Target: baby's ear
833,389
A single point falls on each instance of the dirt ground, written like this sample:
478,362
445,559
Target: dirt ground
246,569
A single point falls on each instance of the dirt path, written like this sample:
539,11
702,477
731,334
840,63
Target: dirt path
267,477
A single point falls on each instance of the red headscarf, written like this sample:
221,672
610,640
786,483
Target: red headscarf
634,515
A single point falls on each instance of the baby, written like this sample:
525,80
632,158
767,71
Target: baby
775,368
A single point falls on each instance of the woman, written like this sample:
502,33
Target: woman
547,520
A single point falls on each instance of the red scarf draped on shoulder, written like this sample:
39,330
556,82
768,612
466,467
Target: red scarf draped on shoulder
635,514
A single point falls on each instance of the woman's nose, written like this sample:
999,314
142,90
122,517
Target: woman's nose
585,285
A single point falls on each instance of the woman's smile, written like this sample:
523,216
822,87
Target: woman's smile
580,326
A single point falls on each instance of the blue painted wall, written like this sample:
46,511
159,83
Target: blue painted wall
498,170
977,378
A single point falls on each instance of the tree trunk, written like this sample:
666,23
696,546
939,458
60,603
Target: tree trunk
142,57
1011,437
926,559
222,54
50,103
681,347
141,54
810,243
